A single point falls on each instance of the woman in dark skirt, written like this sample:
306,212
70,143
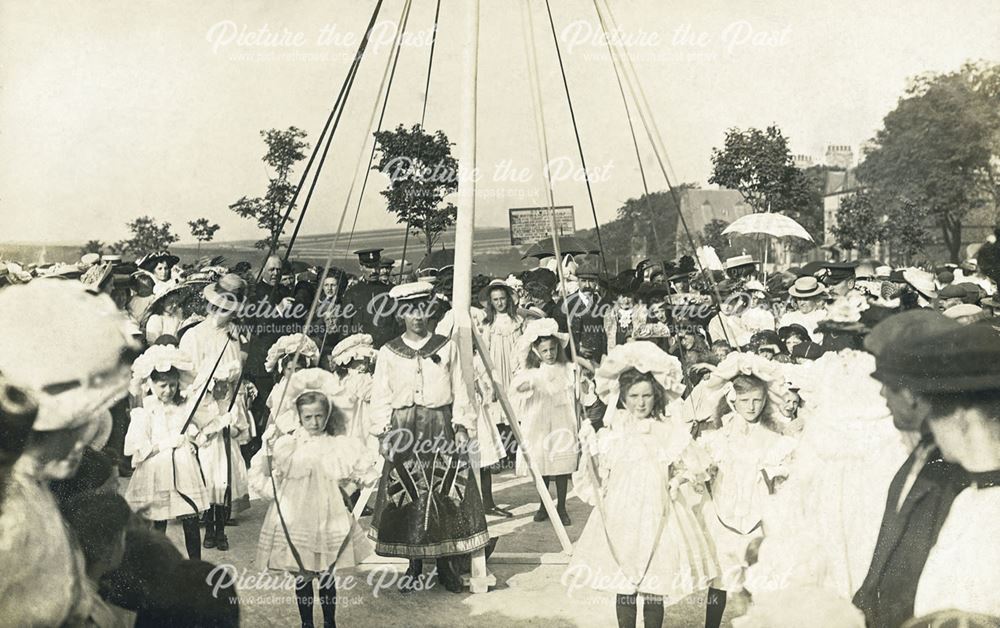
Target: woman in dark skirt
428,503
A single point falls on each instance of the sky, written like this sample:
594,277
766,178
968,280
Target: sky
116,109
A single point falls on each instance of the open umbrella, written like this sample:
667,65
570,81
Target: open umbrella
568,245
777,225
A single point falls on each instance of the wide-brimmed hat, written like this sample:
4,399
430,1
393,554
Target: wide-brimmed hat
160,358
149,261
288,345
539,328
354,347
785,332
645,357
921,281
65,345
739,261
499,284
229,292
412,291
963,359
806,288
306,381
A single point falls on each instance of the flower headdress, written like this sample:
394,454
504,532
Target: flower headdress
539,328
288,345
160,358
313,380
645,357
354,347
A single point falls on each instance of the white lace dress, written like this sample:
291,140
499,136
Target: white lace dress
652,482
822,526
310,473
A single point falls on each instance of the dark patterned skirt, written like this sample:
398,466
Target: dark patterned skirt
428,502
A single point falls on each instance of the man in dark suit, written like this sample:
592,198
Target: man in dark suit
923,489
584,311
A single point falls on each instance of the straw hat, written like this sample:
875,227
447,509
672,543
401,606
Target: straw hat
229,292
806,288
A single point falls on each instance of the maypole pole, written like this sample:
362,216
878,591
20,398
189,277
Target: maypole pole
479,580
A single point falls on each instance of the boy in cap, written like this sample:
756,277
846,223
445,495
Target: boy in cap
958,374
923,489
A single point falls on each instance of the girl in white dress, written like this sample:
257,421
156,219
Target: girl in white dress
749,457
214,417
167,482
501,328
542,394
309,530
653,541
279,363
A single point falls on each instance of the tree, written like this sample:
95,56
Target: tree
653,218
906,231
711,235
422,172
147,237
202,231
759,165
284,150
92,246
938,149
859,223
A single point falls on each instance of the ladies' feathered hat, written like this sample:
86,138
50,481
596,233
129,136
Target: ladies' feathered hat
149,261
288,345
645,357
354,347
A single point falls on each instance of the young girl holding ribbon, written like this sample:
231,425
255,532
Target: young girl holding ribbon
646,536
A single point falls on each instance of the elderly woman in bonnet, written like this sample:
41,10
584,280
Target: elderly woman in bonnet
76,367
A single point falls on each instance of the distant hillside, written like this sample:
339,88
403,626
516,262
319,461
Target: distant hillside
491,250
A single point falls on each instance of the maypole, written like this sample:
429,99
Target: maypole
480,580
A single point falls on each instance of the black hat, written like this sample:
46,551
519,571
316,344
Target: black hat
836,272
766,339
386,262
589,266
794,328
807,351
962,359
369,258
149,262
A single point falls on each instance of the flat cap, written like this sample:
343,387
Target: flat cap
963,359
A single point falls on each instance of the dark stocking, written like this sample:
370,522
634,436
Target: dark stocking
192,537
161,526
220,514
304,600
714,608
652,611
328,600
486,481
561,483
625,610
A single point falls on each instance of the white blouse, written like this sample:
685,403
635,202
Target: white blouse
408,374
962,571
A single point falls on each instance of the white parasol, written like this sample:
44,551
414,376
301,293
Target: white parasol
777,225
